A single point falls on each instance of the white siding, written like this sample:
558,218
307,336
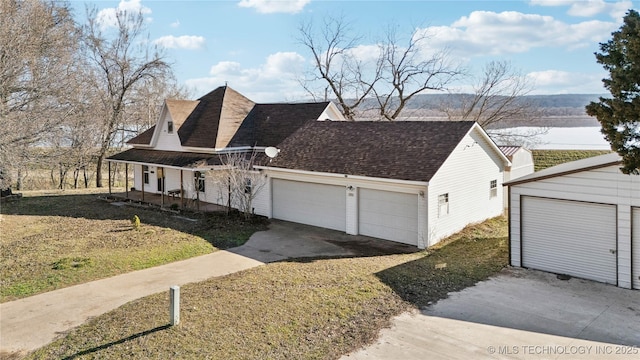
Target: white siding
163,139
465,176
636,247
605,186
521,165
262,199
388,215
569,237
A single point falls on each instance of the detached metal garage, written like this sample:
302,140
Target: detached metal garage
580,219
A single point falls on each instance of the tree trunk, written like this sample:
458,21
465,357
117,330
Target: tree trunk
86,179
19,180
99,170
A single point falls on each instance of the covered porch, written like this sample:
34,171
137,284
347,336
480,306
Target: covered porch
168,201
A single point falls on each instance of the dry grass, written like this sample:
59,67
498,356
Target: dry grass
56,239
311,309
548,158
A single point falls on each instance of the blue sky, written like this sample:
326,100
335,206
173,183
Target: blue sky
251,44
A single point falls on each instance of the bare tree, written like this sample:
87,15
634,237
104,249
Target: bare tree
387,73
38,74
121,60
408,71
240,179
498,101
345,76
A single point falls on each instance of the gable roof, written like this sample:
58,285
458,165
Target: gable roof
404,150
270,124
571,167
224,118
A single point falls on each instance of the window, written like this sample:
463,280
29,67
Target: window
493,188
247,186
145,174
170,127
199,179
443,204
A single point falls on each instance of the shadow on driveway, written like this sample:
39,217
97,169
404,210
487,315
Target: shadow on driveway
286,240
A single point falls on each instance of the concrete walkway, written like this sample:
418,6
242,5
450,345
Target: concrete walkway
33,322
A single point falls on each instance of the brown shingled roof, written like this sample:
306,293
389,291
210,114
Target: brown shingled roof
203,129
143,138
180,110
270,124
167,158
407,150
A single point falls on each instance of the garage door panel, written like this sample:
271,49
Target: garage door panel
388,215
310,203
635,247
569,237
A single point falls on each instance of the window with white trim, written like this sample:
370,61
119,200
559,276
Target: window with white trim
145,174
247,186
170,127
493,188
443,204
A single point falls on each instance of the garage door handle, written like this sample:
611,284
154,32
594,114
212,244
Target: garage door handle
612,251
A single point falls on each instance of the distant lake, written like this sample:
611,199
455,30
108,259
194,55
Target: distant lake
565,138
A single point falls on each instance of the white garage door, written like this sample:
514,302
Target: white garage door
569,237
388,215
309,203
635,246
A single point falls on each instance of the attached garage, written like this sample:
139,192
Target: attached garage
569,237
580,219
310,203
388,215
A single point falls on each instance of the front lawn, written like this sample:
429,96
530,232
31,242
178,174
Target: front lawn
307,309
53,240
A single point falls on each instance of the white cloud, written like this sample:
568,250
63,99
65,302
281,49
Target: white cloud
189,42
564,82
274,80
589,8
107,17
489,33
275,6
175,24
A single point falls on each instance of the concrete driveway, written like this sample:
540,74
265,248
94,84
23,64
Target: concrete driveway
519,314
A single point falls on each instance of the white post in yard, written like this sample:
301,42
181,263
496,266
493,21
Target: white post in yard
174,310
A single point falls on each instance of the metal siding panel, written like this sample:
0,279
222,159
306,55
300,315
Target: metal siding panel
310,203
569,237
388,215
635,247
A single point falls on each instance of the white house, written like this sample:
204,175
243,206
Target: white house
521,165
174,156
580,218
410,182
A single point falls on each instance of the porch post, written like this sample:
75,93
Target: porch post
142,168
198,195
162,187
126,180
109,162
181,191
